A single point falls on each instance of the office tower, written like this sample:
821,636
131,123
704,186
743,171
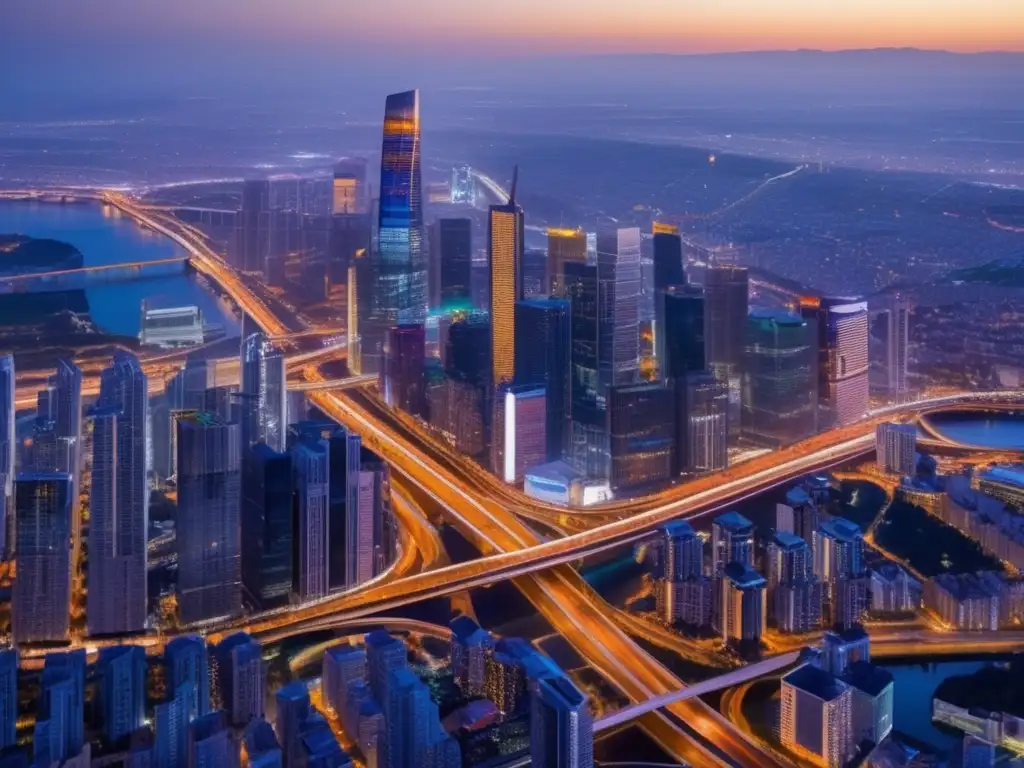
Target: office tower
264,388
402,377
261,745
618,278
293,709
679,331
588,442
838,564
896,448
342,665
726,291
267,509
668,261
565,246
743,610
119,500
42,584
470,646
535,279
353,509
454,238
208,531
561,726
543,350
793,592
252,226
871,690
59,405
702,424
505,253
171,718
60,710
399,268
210,744
349,186
683,551
239,677
8,445
816,716
780,399
840,326
8,697
464,412
122,691
185,663
897,331
518,431
312,520
375,507
641,427
384,654
732,541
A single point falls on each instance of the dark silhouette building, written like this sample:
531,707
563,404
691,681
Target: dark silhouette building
543,350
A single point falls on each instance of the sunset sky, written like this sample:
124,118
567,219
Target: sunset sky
526,27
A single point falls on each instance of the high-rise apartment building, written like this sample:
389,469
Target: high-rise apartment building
702,424
840,326
727,293
40,608
8,697
60,711
743,609
793,592
641,435
399,287
239,677
59,408
264,417
505,242
565,246
896,448
267,530
8,446
839,565
683,551
208,529
210,744
732,541
816,716
780,399
342,665
470,646
561,726
122,691
618,307
186,664
543,351
898,345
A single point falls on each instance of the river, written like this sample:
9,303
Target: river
1003,431
105,236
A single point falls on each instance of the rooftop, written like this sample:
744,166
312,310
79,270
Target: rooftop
815,681
733,521
841,529
788,541
677,528
797,496
866,677
743,576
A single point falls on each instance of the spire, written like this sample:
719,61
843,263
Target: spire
515,180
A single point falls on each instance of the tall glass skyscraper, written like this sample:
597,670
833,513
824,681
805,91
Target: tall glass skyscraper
588,451
668,260
897,345
840,328
400,274
543,350
119,501
209,535
780,392
264,393
505,252
726,291
454,243
267,526
679,332
8,443
40,610
618,277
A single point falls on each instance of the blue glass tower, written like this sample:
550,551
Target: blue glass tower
185,662
122,691
267,526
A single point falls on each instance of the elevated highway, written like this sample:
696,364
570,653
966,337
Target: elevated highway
70,279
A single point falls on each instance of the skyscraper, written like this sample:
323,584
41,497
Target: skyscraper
668,260
840,326
252,227
543,350
293,708
732,541
384,654
119,500
171,719
641,435
122,691
400,269
815,718
702,428
684,551
618,307
264,390
59,406
402,377
519,431
60,711
896,448
455,244
680,330
240,677
561,726
897,345
185,662
470,646
743,609
348,190
312,522
726,289
565,246
342,665
375,509
780,400
267,526
210,744
793,592
839,565
208,530
8,697
42,585
505,239
8,445
588,447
